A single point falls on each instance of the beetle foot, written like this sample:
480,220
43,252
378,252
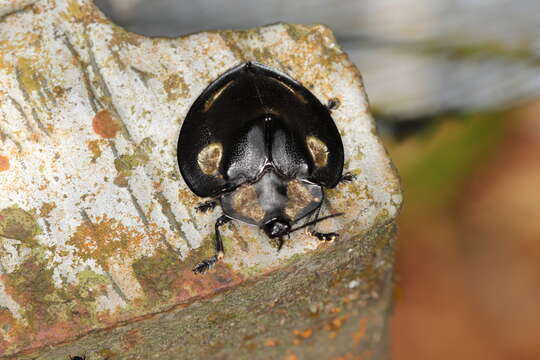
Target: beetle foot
347,177
205,206
324,236
333,104
277,243
205,265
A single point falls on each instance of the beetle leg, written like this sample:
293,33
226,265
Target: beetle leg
347,177
207,205
325,236
208,263
222,220
280,243
333,104
319,235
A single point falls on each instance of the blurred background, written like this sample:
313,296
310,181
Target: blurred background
455,90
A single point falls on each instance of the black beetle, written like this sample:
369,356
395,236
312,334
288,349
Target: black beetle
264,147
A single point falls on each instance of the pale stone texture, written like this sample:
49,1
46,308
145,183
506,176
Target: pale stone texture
97,227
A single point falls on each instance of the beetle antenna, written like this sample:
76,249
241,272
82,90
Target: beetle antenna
315,221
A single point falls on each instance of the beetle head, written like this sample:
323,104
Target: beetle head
277,228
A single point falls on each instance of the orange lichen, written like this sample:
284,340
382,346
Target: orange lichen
359,335
4,163
291,357
303,334
108,238
104,125
46,209
335,324
270,342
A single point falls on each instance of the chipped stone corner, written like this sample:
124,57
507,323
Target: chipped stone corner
98,233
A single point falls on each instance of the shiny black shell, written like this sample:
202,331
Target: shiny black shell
252,118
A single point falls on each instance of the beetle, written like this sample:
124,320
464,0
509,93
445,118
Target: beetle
261,145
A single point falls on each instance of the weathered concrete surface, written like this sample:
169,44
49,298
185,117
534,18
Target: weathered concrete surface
98,233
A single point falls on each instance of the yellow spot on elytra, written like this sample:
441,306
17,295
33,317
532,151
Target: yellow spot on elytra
318,151
209,158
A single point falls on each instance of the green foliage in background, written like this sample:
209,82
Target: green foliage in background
436,161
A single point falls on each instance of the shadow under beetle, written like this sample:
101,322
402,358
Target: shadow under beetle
264,147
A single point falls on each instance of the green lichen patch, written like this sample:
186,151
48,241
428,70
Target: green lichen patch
165,277
7,323
26,68
126,163
18,224
175,87
296,32
156,273
91,285
32,287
